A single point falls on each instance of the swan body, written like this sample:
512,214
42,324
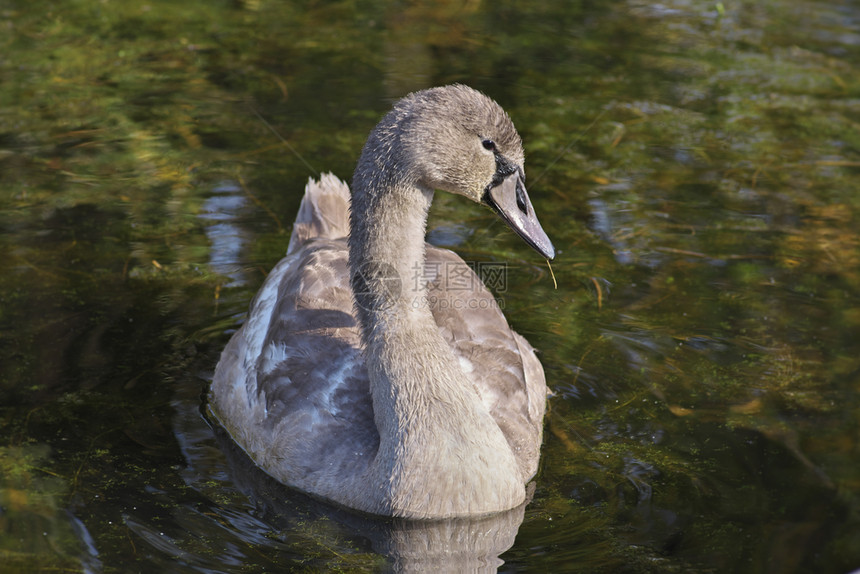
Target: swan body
361,376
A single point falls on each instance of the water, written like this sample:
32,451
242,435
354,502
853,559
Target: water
696,165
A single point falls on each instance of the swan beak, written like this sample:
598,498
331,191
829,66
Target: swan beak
509,199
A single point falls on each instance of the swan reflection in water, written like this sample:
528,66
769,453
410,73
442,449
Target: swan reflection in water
463,544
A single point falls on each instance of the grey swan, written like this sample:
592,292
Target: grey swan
360,375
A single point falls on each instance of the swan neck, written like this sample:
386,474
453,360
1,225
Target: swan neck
430,418
387,251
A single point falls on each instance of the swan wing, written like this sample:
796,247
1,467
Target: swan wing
291,387
502,365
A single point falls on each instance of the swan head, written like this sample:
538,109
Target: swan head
458,140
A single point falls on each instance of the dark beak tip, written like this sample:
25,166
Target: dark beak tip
543,246
510,200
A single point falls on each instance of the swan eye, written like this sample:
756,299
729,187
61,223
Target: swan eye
489,145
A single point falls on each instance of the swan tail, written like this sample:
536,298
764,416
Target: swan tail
324,212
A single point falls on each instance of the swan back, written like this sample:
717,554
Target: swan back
323,213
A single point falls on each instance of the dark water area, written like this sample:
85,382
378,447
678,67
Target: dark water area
697,165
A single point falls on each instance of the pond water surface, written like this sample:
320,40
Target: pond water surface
697,165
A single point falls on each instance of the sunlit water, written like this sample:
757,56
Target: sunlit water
696,165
